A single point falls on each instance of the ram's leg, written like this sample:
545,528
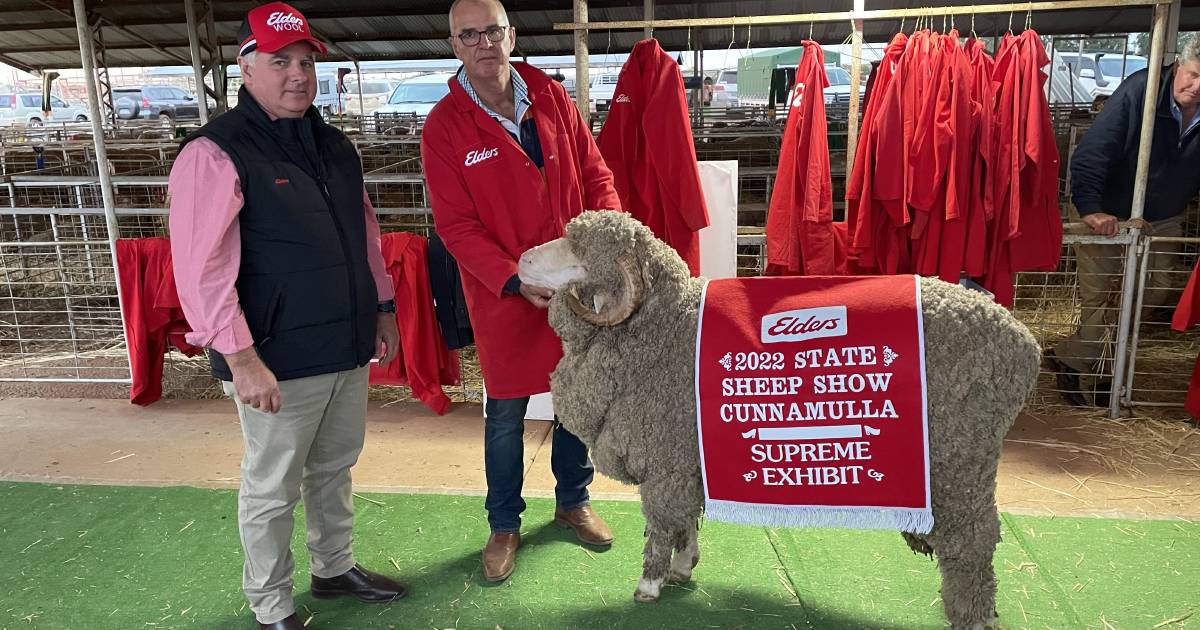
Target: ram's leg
968,579
656,563
687,555
671,511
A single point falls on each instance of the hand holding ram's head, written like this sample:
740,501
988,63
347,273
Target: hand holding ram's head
607,269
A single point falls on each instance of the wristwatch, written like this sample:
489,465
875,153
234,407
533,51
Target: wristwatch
386,307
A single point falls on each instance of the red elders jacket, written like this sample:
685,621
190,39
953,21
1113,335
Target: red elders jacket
153,318
981,207
647,142
491,204
881,238
1027,226
1187,314
424,363
800,233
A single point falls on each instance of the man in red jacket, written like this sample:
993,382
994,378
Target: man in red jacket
509,161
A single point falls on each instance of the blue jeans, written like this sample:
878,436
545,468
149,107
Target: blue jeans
504,461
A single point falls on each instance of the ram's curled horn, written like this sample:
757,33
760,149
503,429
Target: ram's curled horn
628,298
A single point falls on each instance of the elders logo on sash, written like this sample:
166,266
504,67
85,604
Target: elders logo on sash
475,157
807,323
281,21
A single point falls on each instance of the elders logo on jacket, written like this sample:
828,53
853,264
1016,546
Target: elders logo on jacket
808,323
281,21
624,98
475,157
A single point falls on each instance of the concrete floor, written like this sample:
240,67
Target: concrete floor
1055,465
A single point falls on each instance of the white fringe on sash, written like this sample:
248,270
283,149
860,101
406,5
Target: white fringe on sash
912,520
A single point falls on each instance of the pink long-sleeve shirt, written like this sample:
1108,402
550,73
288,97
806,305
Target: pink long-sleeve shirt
206,246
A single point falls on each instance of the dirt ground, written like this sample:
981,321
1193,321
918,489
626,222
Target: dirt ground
1053,463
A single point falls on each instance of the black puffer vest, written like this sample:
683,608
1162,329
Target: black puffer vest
304,284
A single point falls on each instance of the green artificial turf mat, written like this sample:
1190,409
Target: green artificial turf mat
155,558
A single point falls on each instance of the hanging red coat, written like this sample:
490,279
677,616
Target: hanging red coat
491,204
1006,142
647,142
1027,227
154,320
944,145
423,362
864,213
1187,314
981,194
1039,245
801,238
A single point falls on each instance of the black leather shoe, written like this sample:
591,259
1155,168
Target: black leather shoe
1066,378
291,623
361,584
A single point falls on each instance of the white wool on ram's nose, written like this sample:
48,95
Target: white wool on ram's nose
551,265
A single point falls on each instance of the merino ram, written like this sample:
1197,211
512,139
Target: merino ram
625,386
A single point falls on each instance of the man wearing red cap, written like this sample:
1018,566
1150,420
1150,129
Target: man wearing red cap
509,161
279,271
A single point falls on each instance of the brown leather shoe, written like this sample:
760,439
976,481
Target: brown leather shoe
290,623
500,556
588,525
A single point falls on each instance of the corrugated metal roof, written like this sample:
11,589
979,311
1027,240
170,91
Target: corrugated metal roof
153,32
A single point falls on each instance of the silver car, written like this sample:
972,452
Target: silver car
25,108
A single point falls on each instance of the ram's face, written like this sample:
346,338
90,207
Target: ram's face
551,265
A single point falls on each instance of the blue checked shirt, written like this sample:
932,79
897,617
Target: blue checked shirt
520,98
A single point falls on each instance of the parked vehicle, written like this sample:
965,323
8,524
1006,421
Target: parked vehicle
327,101
25,108
839,86
375,94
758,72
1099,72
418,95
600,90
164,103
725,89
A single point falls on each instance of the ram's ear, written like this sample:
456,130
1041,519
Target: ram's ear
599,300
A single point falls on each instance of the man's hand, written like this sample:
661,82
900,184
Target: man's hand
253,381
537,296
387,339
1102,224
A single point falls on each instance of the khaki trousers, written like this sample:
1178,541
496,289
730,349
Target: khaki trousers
1100,269
304,451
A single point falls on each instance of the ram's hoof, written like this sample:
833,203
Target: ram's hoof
678,577
649,598
648,590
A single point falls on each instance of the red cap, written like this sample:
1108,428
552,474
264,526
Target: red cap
274,26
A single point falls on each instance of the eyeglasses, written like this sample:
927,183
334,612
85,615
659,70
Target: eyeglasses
494,35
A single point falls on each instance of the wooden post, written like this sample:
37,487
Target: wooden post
648,14
856,48
582,78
